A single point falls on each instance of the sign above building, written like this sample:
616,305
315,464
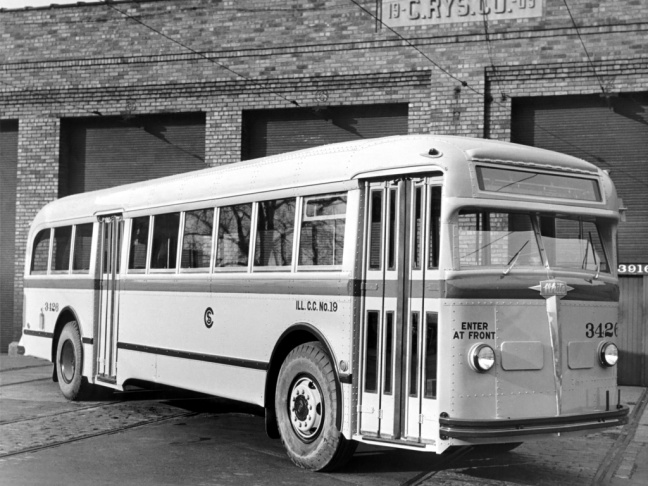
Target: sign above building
403,13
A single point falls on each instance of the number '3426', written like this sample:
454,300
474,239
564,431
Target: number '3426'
601,330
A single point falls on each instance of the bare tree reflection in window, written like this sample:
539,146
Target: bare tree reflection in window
322,230
197,239
275,230
234,236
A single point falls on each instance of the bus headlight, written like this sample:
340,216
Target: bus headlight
481,357
608,354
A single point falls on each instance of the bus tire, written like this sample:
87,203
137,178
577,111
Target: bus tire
69,363
306,404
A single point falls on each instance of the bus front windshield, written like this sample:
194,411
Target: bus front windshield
499,239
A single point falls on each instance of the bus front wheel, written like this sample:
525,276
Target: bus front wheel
306,404
69,363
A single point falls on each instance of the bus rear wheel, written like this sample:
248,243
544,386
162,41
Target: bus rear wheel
306,404
69,363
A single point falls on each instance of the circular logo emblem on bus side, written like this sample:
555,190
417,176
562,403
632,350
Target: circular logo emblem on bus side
209,312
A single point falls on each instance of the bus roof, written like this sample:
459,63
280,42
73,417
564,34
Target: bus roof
321,165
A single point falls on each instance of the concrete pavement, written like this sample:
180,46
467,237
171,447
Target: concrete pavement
38,416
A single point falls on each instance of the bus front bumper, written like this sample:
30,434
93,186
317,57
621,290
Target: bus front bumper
488,429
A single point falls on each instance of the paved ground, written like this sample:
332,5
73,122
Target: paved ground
160,438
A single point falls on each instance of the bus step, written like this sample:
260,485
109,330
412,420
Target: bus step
396,442
107,379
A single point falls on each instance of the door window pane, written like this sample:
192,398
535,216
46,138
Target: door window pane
435,226
82,246
371,360
234,236
391,242
375,231
418,227
414,333
431,334
275,231
40,252
322,230
197,238
164,247
61,249
389,352
139,243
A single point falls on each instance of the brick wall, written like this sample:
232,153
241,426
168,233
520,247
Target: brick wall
223,57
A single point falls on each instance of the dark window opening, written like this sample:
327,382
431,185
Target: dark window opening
40,252
139,243
371,350
102,152
82,246
61,248
164,246
272,132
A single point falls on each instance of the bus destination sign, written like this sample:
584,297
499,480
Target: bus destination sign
403,13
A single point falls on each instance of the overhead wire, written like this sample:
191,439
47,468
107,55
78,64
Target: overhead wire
413,46
199,54
494,100
489,49
294,102
587,54
47,96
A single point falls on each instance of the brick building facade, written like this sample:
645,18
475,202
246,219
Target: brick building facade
125,59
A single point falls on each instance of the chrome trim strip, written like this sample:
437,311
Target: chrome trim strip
480,429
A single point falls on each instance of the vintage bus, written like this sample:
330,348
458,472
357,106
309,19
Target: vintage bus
418,291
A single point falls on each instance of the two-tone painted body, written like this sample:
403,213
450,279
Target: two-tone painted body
226,331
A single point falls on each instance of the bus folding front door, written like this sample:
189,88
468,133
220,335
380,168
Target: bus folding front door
110,236
399,331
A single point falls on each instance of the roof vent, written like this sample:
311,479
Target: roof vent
433,153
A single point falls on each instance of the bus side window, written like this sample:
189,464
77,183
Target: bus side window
275,231
40,252
164,247
234,224
138,243
435,227
61,249
197,238
322,230
82,244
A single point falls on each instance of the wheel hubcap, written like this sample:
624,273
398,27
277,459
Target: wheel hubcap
306,408
67,361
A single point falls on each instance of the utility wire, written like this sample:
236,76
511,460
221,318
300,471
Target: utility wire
489,49
589,59
47,96
413,46
463,83
109,4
